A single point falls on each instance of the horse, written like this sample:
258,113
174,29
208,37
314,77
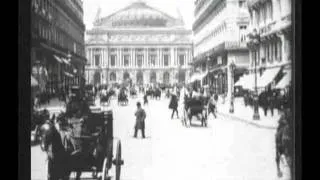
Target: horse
51,143
284,142
195,107
37,120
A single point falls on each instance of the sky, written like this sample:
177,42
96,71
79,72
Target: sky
186,8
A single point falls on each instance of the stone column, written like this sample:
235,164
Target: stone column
284,52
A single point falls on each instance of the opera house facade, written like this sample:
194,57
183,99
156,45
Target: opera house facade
138,43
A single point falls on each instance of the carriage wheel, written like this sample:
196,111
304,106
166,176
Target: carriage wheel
118,161
105,169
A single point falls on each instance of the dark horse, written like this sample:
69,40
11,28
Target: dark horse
284,142
122,98
57,155
63,157
195,107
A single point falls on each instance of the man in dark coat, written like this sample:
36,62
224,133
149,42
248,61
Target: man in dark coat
174,105
140,121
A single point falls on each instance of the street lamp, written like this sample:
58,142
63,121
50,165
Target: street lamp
254,44
68,79
232,68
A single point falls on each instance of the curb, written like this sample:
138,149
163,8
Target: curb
246,121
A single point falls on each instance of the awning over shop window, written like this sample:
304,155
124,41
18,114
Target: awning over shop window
65,61
285,81
268,76
34,82
248,81
198,77
58,59
68,74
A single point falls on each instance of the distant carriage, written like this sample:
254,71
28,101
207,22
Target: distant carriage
195,107
133,92
105,99
122,98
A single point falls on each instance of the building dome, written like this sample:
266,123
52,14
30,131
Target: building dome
139,14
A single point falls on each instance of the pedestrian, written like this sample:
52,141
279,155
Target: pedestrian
174,105
212,105
272,102
140,121
145,99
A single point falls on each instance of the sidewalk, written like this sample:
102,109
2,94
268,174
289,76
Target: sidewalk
245,114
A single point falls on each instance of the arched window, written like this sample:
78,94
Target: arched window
182,75
139,77
166,78
153,77
126,76
96,78
113,76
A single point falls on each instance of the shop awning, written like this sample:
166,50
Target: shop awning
285,81
58,59
68,74
197,77
65,61
34,82
248,81
268,76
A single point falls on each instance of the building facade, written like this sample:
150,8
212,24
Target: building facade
270,40
57,51
220,40
138,43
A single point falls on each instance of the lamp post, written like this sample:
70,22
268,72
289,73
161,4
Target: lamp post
254,43
232,68
69,60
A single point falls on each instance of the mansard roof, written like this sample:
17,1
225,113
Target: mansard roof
138,14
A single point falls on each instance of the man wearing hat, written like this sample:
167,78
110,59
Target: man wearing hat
140,120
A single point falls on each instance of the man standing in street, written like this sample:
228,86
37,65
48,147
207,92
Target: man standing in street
140,118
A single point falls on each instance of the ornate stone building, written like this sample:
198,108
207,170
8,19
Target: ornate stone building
220,40
139,43
270,44
57,51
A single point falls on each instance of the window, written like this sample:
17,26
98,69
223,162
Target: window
243,33
126,60
181,60
219,60
139,60
271,10
241,3
74,47
113,60
97,59
152,60
166,60
280,52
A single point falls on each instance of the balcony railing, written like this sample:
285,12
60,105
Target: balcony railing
235,45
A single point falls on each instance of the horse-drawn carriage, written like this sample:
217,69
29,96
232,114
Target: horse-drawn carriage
154,93
105,99
133,92
122,98
82,144
196,106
